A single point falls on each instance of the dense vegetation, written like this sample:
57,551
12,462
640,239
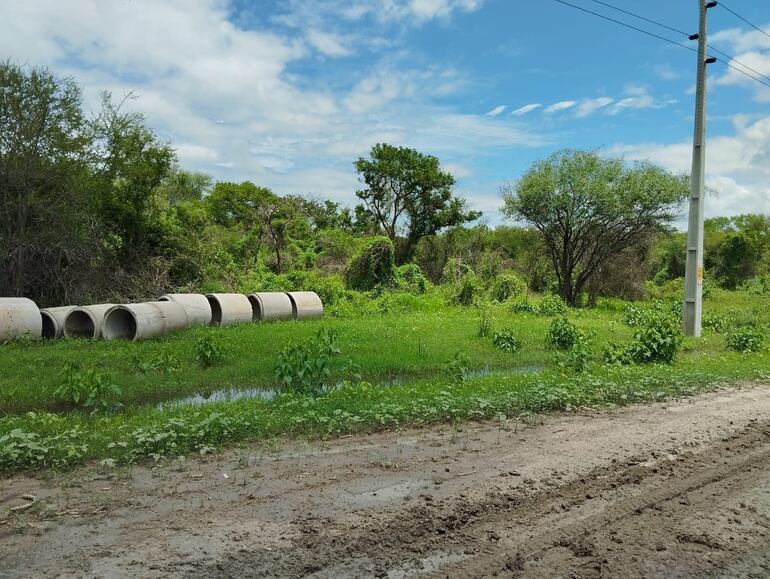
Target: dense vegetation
428,317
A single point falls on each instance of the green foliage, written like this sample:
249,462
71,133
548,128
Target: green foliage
409,278
657,341
590,208
746,339
163,362
305,368
485,322
506,341
548,306
467,291
562,334
758,285
616,354
639,314
457,367
715,322
405,188
208,352
86,388
579,354
373,266
508,285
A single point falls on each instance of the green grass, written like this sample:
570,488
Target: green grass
411,345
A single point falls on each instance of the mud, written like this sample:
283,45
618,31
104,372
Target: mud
667,490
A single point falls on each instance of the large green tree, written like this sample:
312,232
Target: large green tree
408,196
588,209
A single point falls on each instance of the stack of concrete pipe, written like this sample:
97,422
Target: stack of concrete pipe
171,312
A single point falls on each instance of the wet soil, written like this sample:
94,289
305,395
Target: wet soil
679,489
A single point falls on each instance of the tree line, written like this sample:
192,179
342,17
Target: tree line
95,208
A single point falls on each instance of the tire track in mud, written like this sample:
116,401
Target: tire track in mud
492,560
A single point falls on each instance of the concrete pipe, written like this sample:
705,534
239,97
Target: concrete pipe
144,320
196,305
19,316
306,305
85,321
53,321
271,306
229,309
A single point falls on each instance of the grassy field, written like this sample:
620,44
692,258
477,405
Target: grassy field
401,355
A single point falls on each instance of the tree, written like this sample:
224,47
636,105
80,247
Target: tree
409,196
589,209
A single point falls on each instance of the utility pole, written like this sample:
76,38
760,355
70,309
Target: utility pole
693,277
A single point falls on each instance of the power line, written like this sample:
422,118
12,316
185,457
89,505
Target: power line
734,13
640,17
674,42
746,66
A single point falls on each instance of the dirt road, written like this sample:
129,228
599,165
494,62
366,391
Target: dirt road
666,490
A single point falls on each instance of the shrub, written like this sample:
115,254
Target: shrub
636,315
657,341
87,389
165,362
506,341
207,352
715,322
373,266
305,368
616,354
552,305
508,285
485,323
578,357
467,291
457,367
523,305
758,285
746,339
562,334
454,271
409,278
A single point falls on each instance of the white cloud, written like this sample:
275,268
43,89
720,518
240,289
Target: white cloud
588,107
327,43
737,166
521,111
497,111
752,48
560,106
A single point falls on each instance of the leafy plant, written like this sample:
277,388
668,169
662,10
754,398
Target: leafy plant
552,305
409,278
467,290
305,368
616,354
715,322
457,367
207,352
373,266
87,389
506,341
578,357
485,323
562,334
508,285
746,339
164,362
657,341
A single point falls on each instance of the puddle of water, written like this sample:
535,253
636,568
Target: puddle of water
233,394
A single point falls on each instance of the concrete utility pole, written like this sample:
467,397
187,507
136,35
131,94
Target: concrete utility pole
693,277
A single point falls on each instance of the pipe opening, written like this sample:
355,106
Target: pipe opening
119,323
216,310
256,308
164,299
79,325
49,326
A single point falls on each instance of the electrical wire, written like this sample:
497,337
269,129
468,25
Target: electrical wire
734,13
674,42
640,17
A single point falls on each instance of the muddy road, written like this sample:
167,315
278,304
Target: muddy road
678,489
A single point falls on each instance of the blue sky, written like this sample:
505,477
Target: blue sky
289,93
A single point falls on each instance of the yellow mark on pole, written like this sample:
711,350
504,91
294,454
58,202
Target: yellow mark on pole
700,274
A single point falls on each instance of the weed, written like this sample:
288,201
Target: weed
746,339
305,368
456,368
485,322
562,334
207,352
506,341
163,362
87,389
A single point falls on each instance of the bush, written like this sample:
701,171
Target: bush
552,305
562,334
506,341
467,291
485,323
758,285
657,341
87,389
616,354
454,271
579,355
508,285
636,315
304,368
746,339
409,278
373,266
457,367
207,352
715,322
